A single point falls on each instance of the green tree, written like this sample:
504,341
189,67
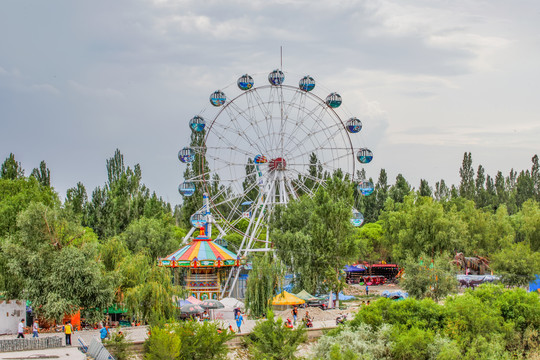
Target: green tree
263,281
43,174
422,225
314,237
76,200
16,195
466,173
517,264
442,193
156,237
11,169
424,277
271,340
53,262
400,189
151,297
425,189
187,340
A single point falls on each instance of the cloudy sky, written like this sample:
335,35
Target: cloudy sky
430,79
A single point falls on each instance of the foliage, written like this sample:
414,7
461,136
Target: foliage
421,225
118,346
490,322
187,340
52,262
517,264
361,342
42,175
11,169
271,340
16,195
156,237
151,296
314,237
424,278
263,281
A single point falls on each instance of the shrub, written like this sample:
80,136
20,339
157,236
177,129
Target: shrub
271,340
187,340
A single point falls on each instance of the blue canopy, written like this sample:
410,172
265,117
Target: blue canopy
355,268
535,285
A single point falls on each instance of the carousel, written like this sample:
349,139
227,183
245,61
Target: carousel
207,262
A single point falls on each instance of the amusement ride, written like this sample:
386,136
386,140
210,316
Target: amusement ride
262,146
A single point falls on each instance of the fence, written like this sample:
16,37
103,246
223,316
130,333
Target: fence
97,351
30,344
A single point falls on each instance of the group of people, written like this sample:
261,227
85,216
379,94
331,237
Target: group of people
68,329
307,320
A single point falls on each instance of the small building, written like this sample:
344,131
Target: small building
11,314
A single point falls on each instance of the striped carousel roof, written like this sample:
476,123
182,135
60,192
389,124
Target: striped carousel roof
201,251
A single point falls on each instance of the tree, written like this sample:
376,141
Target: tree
442,193
76,200
187,340
517,264
480,191
466,173
425,189
16,195
149,297
400,189
422,225
155,237
263,281
11,169
429,277
271,340
43,174
314,237
53,262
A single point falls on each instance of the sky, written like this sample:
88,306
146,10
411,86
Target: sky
430,80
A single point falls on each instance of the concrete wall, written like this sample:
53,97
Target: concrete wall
11,313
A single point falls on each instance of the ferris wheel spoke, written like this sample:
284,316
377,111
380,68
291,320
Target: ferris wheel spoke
316,113
241,132
250,120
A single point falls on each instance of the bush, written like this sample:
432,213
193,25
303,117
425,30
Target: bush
362,341
271,340
187,341
118,346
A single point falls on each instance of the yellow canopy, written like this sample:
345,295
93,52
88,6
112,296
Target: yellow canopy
286,298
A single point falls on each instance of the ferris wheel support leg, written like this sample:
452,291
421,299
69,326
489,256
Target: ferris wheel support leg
188,235
253,232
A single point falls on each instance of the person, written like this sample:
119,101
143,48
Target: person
35,329
20,330
363,303
236,312
367,290
295,313
68,328
103,332
367,302
289,324
239,321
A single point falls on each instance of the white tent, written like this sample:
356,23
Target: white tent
232,303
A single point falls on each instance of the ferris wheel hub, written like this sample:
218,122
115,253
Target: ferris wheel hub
279,164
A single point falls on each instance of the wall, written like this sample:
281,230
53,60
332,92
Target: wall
11,313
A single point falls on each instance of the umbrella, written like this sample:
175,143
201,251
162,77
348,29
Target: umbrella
191,309
211,304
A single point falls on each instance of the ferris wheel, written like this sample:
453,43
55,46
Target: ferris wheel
266,146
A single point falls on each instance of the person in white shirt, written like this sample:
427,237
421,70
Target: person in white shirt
35,329
20,331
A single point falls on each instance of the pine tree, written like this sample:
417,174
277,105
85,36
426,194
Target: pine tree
442,193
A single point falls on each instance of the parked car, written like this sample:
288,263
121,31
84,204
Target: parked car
320,303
